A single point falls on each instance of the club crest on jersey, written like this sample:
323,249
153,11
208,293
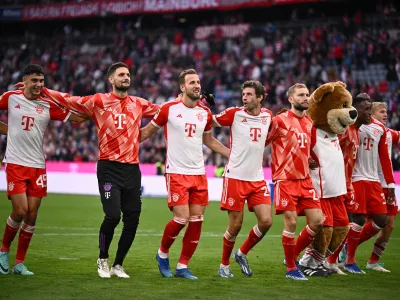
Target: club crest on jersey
264,120
11,186
308,128
231,201
284,202
107,187
375,132
131,106
175,197
200,117
39,108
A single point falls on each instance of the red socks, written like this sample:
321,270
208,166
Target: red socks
289,249
304,239
171,231
9,234
25,236
229,243
191,239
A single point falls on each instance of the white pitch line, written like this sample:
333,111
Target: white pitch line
69,258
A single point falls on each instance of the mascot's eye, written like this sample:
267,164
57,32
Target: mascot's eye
344,105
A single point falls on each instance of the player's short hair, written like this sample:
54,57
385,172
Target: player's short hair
293,88
257,86
378,105
182,75
113,67
361,98
32,69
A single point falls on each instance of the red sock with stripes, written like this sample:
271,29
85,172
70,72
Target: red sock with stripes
171,231
9,234
227,248
304,239
191,239
25,236
255,235
289,248
353,238
368,231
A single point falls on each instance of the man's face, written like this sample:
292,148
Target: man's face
121,79
300,98
34,83
381,115
192,87
364,112
249,98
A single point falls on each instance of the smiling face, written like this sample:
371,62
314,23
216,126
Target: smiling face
34,84
191,87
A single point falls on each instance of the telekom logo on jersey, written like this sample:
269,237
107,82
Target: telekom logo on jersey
302,139
120,119
27,122
255,133
190,129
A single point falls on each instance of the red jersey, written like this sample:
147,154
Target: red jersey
349,143
117,121
290,136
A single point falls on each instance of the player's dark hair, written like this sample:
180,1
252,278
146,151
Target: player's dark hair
32,69
361,98
182,75
257,86
113,67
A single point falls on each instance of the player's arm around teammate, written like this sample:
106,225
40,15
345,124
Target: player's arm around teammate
244,176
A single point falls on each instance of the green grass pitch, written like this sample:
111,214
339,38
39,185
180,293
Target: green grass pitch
63,255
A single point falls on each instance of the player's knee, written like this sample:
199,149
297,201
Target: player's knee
380,220
112,220
20,212
30,218
131,221
265,223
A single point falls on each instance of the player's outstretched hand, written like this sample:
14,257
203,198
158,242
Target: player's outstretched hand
19,86
208,99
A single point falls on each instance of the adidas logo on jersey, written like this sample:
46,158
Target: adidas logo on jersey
17,106
179,116
244,120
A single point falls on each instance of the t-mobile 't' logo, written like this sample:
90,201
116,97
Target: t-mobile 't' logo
27,122
255,133
107,195
190,129
120,119
302,139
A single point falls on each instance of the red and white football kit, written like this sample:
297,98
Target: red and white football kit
24,158
367,187
184,167
244,175
392,137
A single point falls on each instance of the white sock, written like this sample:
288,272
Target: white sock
223,266
181,266
162,254
240,253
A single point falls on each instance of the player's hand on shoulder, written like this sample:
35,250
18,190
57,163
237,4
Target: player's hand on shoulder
20,86
208,99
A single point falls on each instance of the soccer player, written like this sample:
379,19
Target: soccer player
244,175
28,116
379,112
349,143
187,125
368,194
290,134
117,117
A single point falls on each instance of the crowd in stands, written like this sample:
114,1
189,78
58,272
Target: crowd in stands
362,53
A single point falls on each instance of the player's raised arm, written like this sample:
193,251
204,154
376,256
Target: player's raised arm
80,106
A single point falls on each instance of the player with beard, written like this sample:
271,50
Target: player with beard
187,125
117,117
290,135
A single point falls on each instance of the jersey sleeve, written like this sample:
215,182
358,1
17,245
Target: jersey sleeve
149,110
273,131
225,118
81,106
4,101
58,113
385,161
395,136
209,121
161,117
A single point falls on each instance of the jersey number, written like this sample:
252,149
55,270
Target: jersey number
314,196
42,180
